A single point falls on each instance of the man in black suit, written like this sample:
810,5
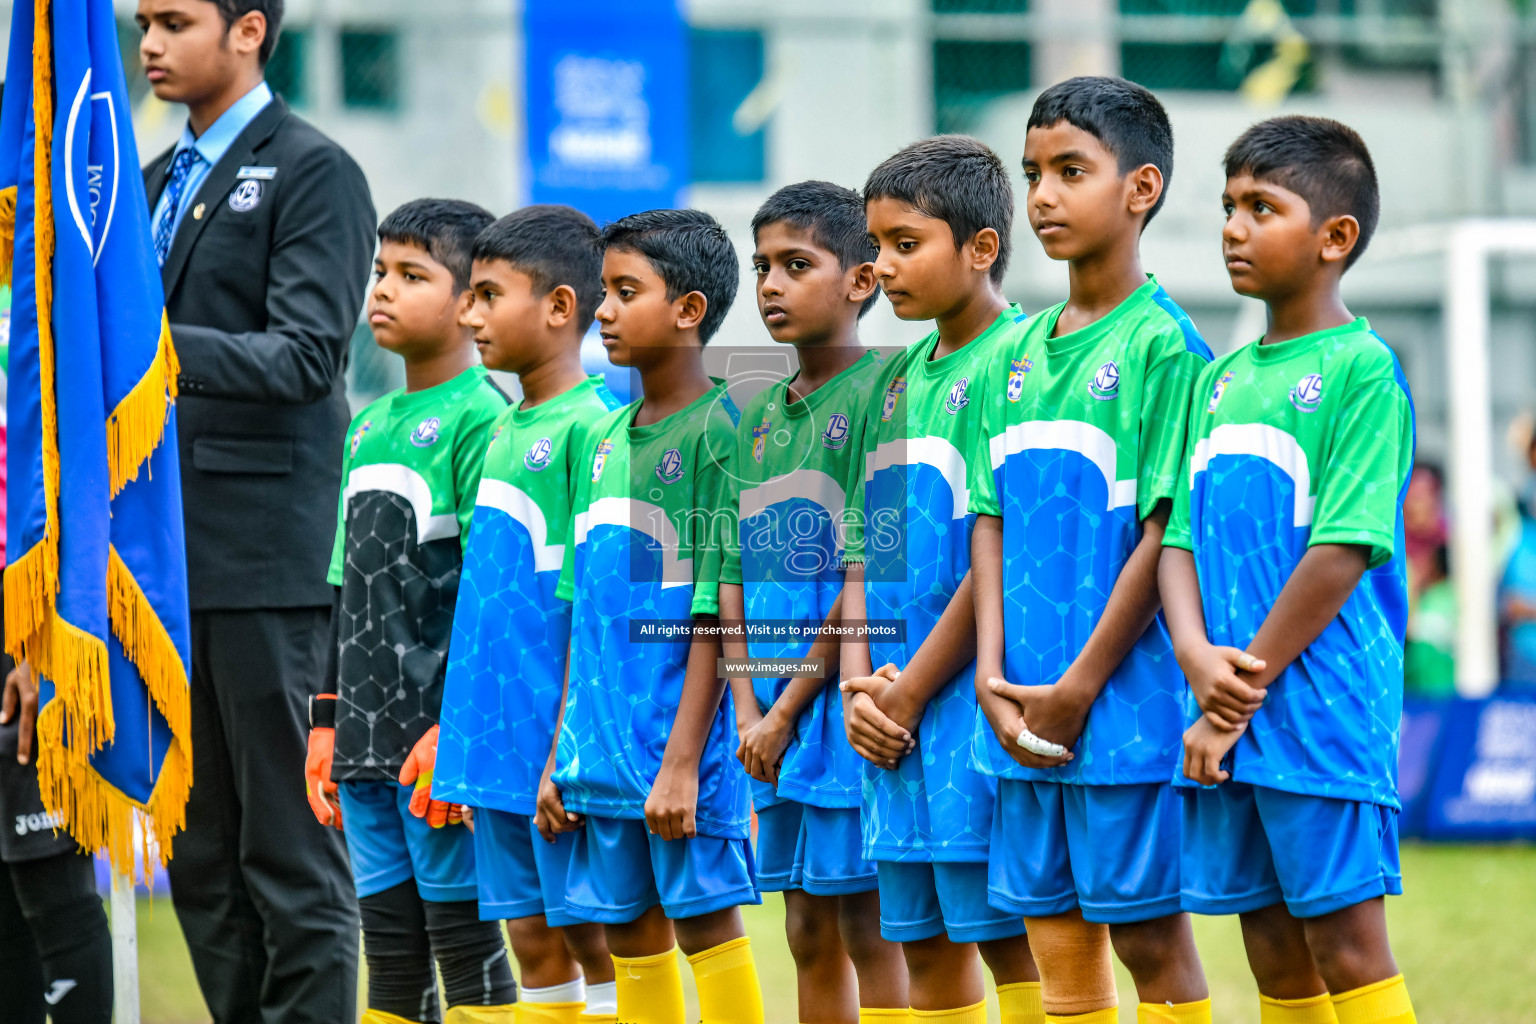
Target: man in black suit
264,229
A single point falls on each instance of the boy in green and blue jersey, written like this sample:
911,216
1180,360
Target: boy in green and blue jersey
1285,585
1074,470
798,443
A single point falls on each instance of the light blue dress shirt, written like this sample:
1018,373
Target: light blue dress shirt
211,147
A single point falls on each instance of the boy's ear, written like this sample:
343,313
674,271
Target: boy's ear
1144,188
690,310
560,306
1338,235
247,32
462,304
862,283
984,246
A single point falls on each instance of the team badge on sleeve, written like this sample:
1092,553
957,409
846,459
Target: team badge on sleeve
760,439
357,436
537,457
600,460
1106,383
892,393
425,434
836,434
1016,371
1307,395
958,399
669,469
1219,390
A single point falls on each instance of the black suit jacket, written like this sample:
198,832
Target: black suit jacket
263,285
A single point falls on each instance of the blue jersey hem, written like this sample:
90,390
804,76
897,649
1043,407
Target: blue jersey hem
1359,793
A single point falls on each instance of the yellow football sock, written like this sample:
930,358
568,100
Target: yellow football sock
1021,1003
726,976
1108,1015
1384,1002
650,988
976,1014
380,1017
884,1015
548,1013
1311,1010
596,1018
1198,1012
462,1014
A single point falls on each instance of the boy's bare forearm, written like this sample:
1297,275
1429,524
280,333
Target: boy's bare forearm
733,609
827,647
948,648
1178,584
853,653
1132,605
1324,578
565,692
700,699
987,585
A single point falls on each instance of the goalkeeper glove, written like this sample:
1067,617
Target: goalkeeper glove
324,799
418,770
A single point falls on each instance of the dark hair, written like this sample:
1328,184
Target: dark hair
553,245
831,214
1125,117
690,251
445,228
272,10
956,179
1323,161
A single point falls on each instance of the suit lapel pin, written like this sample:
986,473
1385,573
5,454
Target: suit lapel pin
197,211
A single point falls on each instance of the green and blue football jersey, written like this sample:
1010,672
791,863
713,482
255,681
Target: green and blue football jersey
789,486
506,661
910,525
1080,437
408,480
1307,441
648,526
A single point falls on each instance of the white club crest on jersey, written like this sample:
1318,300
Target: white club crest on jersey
669,469
1307,395
426,432
537,457
1106,383
957,399
836,434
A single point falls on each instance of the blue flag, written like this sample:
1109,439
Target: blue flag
96,589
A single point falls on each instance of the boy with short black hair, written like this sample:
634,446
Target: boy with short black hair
940,213
537,279
1284,583
1074,468
643,767
409,476
796,448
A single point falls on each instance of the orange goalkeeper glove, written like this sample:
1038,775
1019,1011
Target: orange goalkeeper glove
324,799
418,769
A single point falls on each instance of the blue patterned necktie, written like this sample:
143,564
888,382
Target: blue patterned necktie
175,185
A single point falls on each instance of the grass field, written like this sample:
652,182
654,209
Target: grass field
1465,935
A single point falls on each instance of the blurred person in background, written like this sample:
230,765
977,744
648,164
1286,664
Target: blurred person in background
1517,591
1429,658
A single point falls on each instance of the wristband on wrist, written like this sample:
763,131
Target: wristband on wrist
322,711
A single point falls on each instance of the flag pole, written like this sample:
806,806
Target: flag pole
125,950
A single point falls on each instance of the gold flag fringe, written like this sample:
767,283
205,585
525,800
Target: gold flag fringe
137,426
7,233
138,627
97,814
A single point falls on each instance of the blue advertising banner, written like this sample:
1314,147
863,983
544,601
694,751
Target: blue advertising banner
1417,758
1485,785
607,104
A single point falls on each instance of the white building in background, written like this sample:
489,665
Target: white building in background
427,98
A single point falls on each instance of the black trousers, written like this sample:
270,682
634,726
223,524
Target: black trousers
263,890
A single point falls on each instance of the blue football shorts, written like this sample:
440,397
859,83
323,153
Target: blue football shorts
1247,847
387,845
1112,851
619,870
